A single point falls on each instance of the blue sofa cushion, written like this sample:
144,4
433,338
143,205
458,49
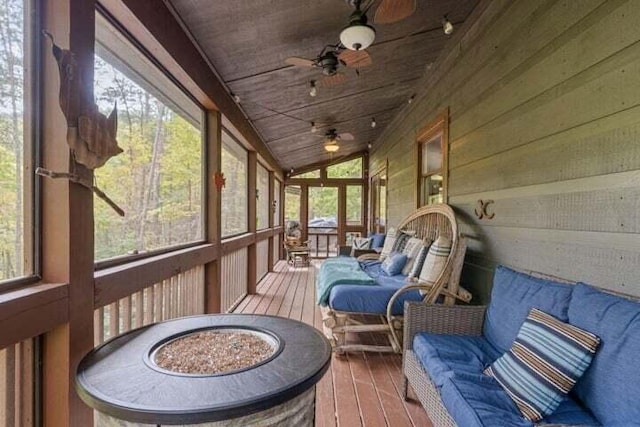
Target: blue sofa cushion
442,355
373,299
611,385
544,363
377,240
394,263
512,296
478,400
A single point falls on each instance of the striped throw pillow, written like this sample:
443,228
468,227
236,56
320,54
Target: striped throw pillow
545,361
420,258
402,239
436,260
411,250
389,242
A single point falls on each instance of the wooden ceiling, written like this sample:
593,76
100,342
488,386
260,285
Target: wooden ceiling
247,41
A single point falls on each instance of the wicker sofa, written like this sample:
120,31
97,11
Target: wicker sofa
446,349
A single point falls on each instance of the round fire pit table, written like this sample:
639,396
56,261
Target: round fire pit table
122,380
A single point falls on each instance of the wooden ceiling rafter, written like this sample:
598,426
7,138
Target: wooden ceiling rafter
248,43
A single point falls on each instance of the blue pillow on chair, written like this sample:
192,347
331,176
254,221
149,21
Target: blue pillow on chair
377,240
394,263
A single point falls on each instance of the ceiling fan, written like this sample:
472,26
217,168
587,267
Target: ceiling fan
330,59
332,137
358,35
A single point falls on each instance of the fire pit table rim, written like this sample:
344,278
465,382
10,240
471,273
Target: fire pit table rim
115,379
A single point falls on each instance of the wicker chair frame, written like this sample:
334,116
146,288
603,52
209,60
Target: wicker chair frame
427,222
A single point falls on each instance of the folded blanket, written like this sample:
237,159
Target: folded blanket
339,271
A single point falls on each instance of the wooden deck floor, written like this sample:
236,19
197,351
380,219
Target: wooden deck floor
360,389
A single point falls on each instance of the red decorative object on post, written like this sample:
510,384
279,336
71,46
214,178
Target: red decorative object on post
219,180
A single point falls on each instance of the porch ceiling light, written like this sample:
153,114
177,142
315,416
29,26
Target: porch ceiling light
357,35
331,146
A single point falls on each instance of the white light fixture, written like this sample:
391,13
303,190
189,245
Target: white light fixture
313,89
369,145
331,146
447,26
357,35
373,122
235,97
314,129
411,98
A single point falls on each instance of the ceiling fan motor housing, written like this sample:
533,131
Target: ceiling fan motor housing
329,64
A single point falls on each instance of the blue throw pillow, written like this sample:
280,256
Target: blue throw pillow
377,241
394,263
543,364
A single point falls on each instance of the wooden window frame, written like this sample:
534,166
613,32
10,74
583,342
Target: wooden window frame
374,199
439,125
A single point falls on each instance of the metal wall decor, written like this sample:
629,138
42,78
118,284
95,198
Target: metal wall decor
481,209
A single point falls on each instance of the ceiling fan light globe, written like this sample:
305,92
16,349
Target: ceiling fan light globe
357,36
331,146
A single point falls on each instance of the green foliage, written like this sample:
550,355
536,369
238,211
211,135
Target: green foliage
12,212
157,180
234,194
348,169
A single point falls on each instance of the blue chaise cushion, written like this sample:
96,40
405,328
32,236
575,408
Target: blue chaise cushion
611,385
513,295
373,299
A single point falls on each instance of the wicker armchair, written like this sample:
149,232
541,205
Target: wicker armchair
427,222
437,319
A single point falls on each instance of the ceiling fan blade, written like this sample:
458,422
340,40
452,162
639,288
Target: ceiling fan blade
346,136
300,62
334,80
394,10
355,58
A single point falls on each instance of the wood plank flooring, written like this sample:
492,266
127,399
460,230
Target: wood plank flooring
360,389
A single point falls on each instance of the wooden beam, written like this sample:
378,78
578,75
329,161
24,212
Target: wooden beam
271,213
252,175
31,311
67,220
213,150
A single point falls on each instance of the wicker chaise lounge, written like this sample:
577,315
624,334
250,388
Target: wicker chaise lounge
429,222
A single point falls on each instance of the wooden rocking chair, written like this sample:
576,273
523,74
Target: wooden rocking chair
427,222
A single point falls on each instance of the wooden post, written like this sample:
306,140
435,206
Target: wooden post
67,219
213,156
271,213
342,213
304,211
251,214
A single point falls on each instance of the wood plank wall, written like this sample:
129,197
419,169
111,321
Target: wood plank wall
544,102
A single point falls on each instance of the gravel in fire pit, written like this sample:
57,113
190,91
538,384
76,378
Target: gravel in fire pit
212,352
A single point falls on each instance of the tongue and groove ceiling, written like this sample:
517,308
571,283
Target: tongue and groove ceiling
247,41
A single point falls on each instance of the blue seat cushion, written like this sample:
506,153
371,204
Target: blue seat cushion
478,400
443,355
611,385
513,295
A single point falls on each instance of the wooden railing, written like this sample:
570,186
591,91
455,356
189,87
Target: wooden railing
177,296
233,278
17,385
323,242
262,259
